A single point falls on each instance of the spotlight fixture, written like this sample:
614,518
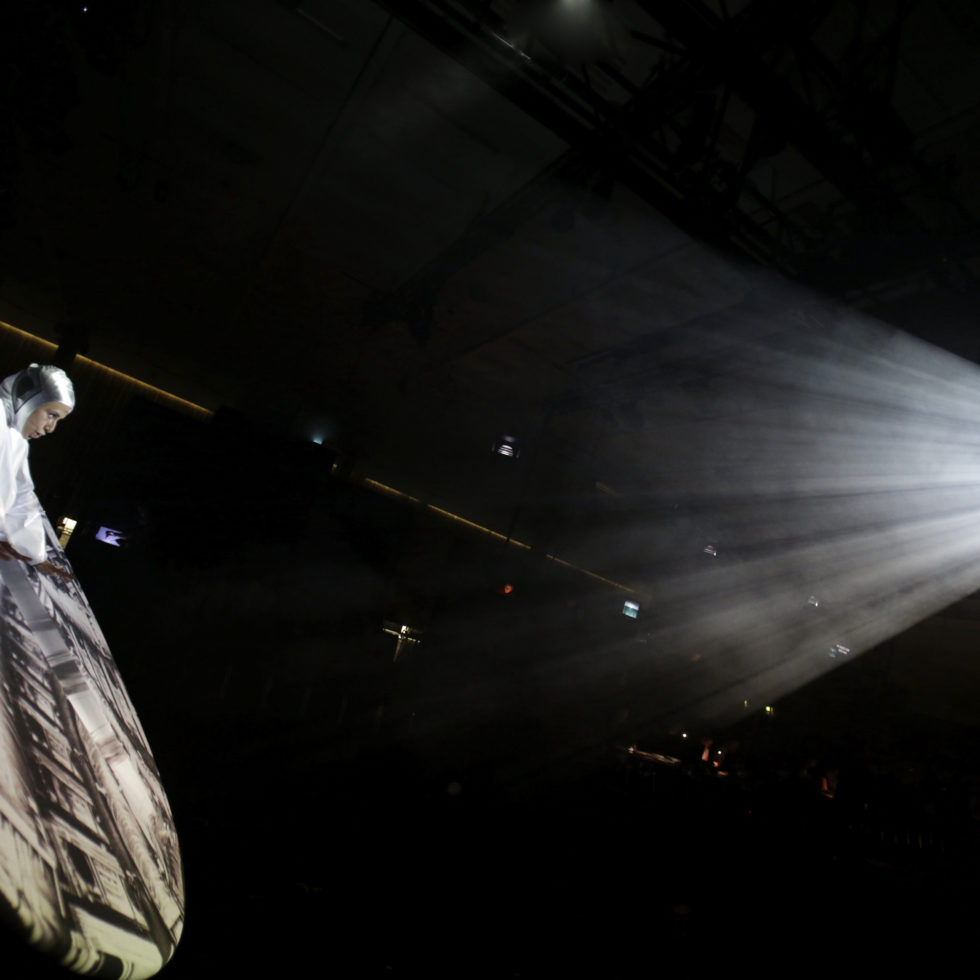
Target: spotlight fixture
507,446
405,635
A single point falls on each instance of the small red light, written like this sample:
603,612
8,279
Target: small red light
505,589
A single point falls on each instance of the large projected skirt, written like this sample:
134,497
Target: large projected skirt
90,869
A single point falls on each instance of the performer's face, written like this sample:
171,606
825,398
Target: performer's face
42,421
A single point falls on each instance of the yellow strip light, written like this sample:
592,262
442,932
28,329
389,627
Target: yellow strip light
479,527
391,491
494,534
159,392
29,336
585,571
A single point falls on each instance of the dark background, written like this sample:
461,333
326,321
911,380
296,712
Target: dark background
383,226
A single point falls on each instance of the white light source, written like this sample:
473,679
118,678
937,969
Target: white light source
405,635
507,446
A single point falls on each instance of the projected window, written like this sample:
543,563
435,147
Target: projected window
631,609
109,535
81,863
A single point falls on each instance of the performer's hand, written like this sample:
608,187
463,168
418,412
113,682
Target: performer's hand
7,551
50,568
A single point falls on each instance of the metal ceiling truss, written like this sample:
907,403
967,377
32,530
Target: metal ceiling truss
638,142
667,139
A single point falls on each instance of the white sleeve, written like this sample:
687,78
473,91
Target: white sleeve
22,520
25,521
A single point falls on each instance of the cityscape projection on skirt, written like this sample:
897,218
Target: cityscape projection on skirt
90,869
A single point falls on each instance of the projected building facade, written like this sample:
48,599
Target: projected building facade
89,864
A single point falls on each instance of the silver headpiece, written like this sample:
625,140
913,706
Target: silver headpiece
27,390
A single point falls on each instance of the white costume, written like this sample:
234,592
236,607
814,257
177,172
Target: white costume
21,514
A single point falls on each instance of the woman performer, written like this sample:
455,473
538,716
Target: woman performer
34,401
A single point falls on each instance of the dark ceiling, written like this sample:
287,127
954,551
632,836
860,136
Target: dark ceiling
329,202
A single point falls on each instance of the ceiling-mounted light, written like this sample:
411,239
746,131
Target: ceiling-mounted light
404,634
507,446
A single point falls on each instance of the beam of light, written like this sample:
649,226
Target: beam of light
803,481
805,486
